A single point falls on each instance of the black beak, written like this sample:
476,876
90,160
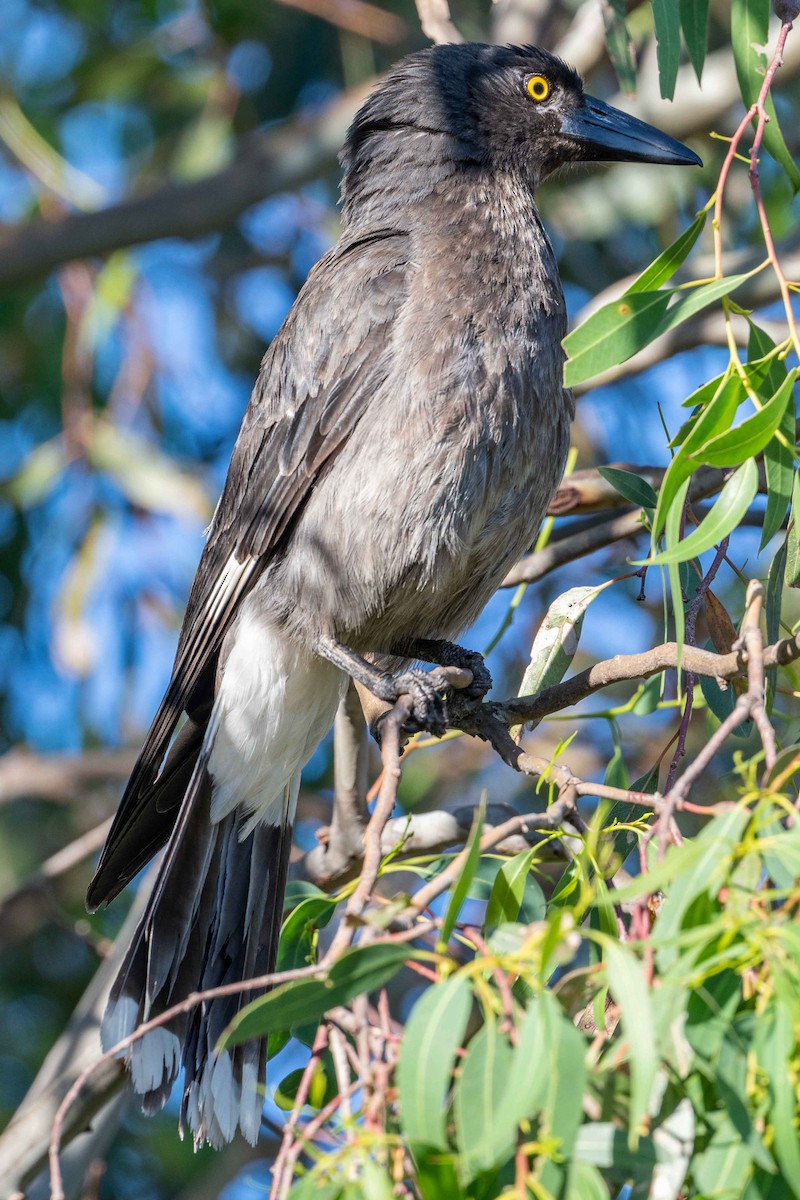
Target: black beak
604,133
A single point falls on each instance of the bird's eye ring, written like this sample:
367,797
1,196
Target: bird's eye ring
538,88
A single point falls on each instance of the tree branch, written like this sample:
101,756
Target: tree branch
60,777
269,162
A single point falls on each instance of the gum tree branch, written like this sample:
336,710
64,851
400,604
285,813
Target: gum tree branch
269,162
60,777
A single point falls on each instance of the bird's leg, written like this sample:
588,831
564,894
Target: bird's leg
425,687
448,654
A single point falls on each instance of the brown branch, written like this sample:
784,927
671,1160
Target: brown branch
356,16
436,23
60,777
420,833
24,1142
268,162
341,845
285,158
52,868
562,550
624,667
391,729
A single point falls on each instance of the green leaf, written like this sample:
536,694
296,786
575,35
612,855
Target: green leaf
720,399
613,334
618,330
525,1090
461,889
432,1036
672,533
375,1183
565,1072
631,486
556,640
603,1144
509,888
777,1051
298,931
481,1085
360,969
694,23
720,1169
694,299
618,44
733,502
311,1188
322,1090
749,33
778,458
586,1182
779,470
752,435
668,43
701,868
628,986
792,574
664,267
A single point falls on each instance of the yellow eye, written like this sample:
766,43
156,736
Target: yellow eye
538,88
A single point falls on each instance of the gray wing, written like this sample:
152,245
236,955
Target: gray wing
332,353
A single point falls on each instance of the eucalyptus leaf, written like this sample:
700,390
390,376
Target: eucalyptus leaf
733,502
360,969
628,985
668,44
662,269
433,1035
482,1141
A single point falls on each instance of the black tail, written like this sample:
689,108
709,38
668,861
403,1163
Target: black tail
213,918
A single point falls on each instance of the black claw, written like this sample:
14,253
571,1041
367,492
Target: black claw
425,689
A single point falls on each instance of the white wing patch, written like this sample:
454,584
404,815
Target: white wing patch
275,704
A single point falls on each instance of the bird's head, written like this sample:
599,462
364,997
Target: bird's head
513,108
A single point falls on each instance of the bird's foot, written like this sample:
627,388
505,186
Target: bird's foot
429,709
448,654
472,661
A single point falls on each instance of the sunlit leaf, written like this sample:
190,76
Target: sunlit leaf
750,437
618,330
733,502
433,1034
662,269
628,985
481,1084
509,888
361,969
613,334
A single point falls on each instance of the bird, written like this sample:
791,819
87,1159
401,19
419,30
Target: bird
407,429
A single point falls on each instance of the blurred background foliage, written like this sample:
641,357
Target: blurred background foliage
124,373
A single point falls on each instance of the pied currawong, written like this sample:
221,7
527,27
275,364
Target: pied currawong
406,431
